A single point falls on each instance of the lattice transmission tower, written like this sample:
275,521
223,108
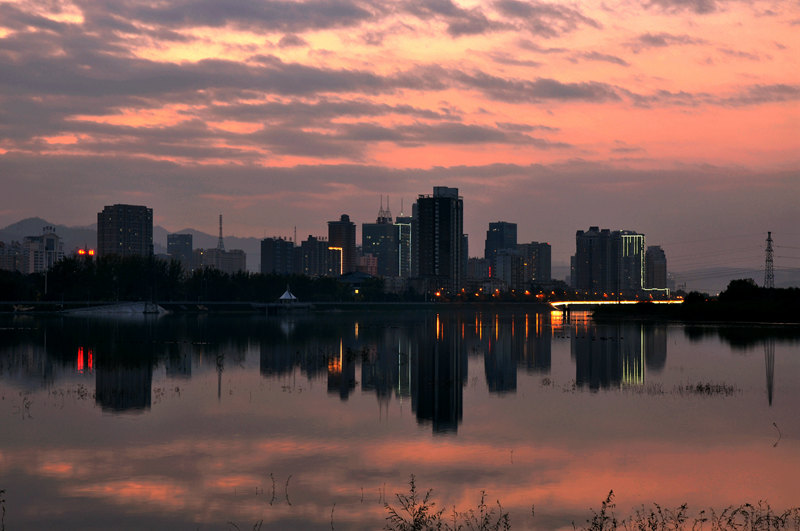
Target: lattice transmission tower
769,272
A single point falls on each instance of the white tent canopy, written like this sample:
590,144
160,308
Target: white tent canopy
288,296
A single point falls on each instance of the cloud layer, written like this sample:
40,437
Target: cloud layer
313,106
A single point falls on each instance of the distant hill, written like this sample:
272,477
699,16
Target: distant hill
77,237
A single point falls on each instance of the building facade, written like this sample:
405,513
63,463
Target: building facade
40,253
501,235
537,262
609,262
382,240
125,230
277,256
440,237
655,268
179,248
342,238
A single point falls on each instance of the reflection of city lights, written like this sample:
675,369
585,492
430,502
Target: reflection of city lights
84,363
335,364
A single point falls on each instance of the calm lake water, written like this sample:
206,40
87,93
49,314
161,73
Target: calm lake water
186,422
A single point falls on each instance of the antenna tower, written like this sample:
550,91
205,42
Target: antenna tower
769,272
220,244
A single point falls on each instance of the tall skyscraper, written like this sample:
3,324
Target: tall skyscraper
342,238
179,247
381,240
609,262
501,235
277,256
404,226
125,230
655,268
440,235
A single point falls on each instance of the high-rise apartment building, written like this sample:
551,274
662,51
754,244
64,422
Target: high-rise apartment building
314,258
609,262
440,237
537,261
342,238
125,230
277,256
179,248
655,268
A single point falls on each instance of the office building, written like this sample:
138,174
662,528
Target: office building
179,248
655,268
125,230
277,256
382,240
440,237
405,243
501,235
342,238
40,253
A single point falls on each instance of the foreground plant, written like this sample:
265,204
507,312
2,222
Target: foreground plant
418,513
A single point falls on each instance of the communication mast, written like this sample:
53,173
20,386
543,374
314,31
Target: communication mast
769,272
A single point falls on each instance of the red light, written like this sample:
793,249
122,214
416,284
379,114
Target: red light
81,252
91,252
80,359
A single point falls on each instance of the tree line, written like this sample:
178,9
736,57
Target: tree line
136,278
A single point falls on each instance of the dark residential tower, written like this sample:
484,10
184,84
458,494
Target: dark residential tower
125,230
440,235
655,268
277,256
179,248
342,238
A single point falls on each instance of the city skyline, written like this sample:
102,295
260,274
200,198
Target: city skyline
677,119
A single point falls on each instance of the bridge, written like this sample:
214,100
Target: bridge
567,305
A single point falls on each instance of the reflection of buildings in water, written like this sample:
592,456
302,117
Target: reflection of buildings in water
342,373
610,355
519,341
29,365
439,376
178,364
385,369
123,387
278,359
769,362
500,364
536,344
655,347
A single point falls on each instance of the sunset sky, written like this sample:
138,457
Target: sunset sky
676,118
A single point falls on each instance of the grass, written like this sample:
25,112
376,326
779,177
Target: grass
416,512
